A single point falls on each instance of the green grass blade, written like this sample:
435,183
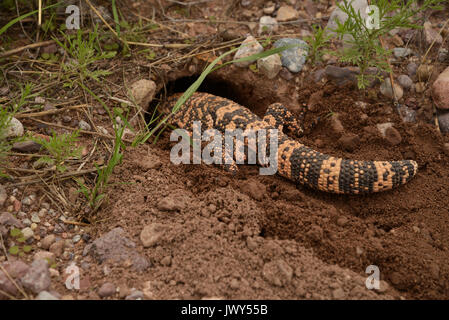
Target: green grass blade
13,21
116,18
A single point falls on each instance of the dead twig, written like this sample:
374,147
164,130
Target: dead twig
81,131
63,176
28,46
49,112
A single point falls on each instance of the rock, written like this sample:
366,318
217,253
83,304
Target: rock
51,48
114,246
407,114
443,122
349,142
35,217
386,90
270,66
338,294
143,92
383,286
286,13
166,261
382,128
285,74
443,55
341,76
405,81
245,3
293,58
393,136
57,248
248,47
336,124
15,129
397,40
29,200
83,125
315,233
440,90
15,269
431,36
277,273
27,233
337,14
38,277
318,75
255,189
45,295
424,72
170,203
135,295
402,52
269,7
411,69
152,234
26,146
44,255
267,24
54,273
3,197
342,221
7,219
76,238
106,290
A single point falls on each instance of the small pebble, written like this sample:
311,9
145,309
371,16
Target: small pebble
83,125
76,238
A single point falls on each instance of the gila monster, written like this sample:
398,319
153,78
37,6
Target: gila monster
296,161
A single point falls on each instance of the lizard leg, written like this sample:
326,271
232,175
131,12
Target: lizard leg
278,116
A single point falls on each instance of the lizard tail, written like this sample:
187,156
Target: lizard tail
323,172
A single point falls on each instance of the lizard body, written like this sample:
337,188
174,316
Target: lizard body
296,161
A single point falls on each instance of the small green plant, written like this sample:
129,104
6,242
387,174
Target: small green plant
19,249
317,41
84,54
266,42
60,147
7,112
96,195
253,67
363,47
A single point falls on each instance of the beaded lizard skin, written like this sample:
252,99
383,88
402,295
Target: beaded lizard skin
296,161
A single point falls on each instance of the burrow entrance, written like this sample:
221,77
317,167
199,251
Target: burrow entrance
237,84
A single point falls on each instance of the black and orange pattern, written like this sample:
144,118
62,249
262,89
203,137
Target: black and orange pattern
296,161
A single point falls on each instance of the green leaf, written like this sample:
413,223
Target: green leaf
15,232
27,249
21,239
14,250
